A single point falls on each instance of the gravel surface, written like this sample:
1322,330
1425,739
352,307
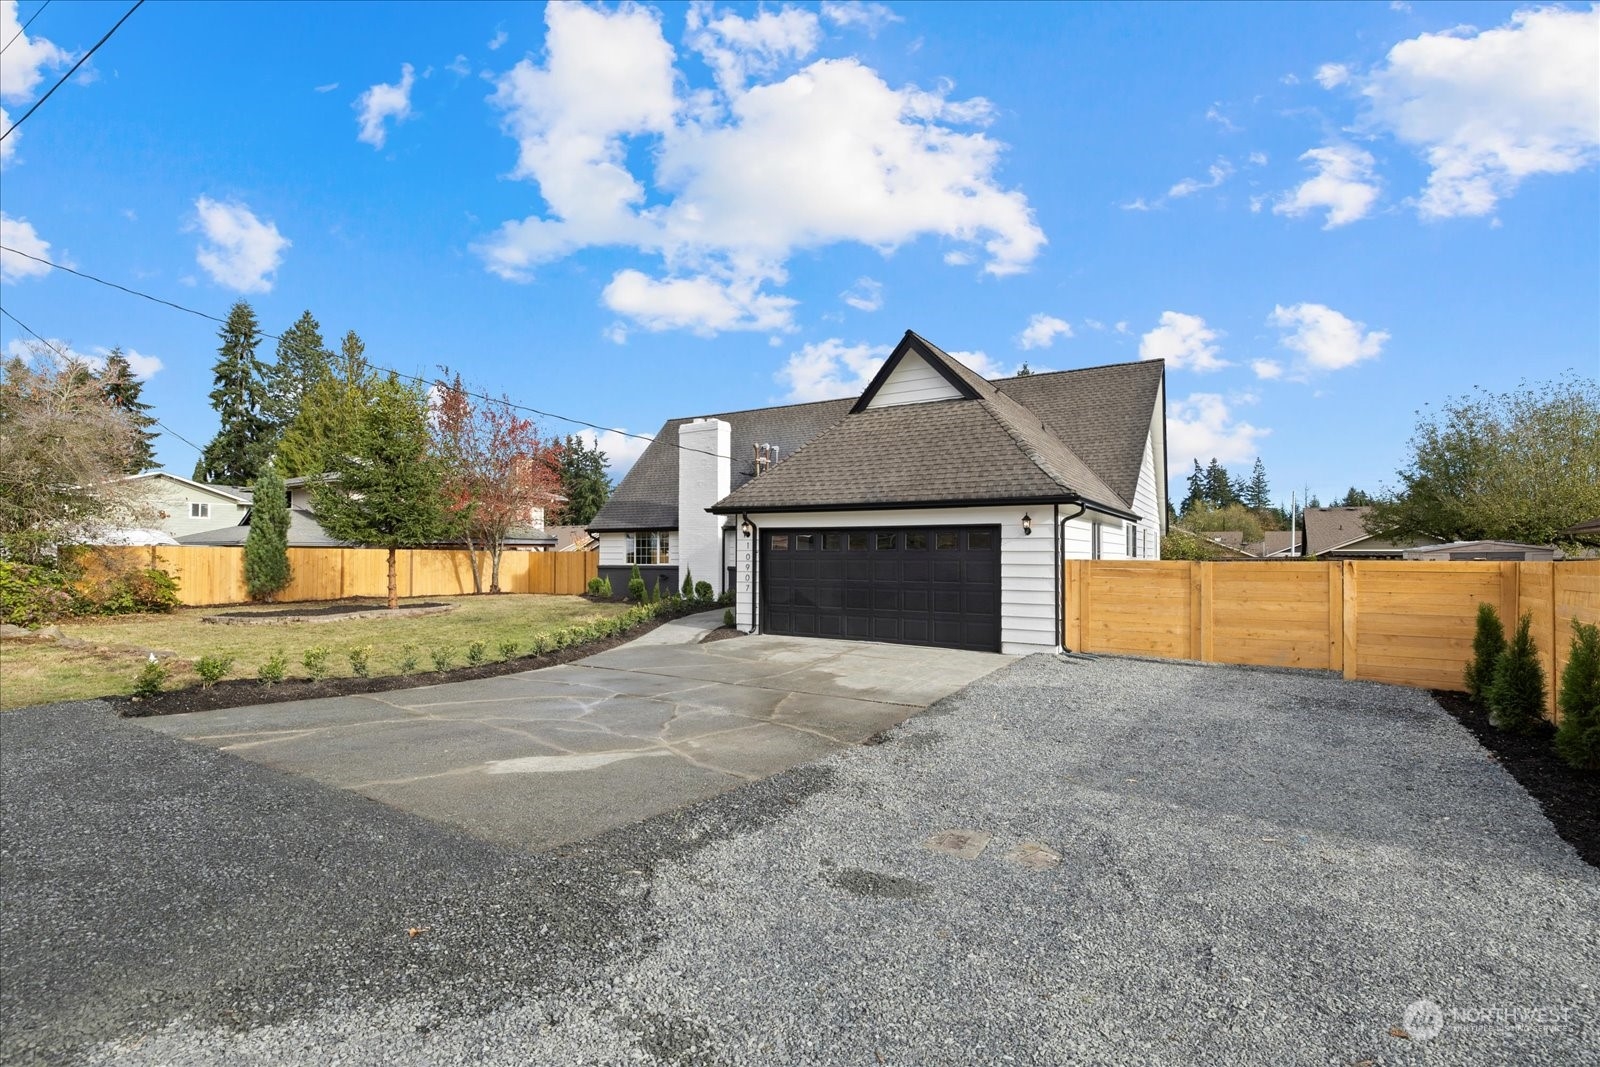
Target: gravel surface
1255,866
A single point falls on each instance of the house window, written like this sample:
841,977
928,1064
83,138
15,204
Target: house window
651,547
199,511
1131,535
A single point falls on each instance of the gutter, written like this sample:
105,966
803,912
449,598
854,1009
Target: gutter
922,505
1060,534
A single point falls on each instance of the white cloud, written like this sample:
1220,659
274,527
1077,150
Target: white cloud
1343,184
830,369
142,366
1324,339
742,176
382,102
958,259
1258,159
20,234
1488,109
240,251
701,303
865,295
8,147
1138,203
27,58
621,448
1214,114
1121,327
1184,341
1332,75
1042,331
1218,172
1267,369
500,38
1400,6
850,14
984,366
330,87
1202,426
616,333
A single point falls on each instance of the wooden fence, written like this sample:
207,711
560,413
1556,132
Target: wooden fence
209,576
1407,623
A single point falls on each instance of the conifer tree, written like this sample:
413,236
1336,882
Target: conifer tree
1578,736
302,361
584,481
328,410
243,439
122,389
266,549
1516,696
1257,494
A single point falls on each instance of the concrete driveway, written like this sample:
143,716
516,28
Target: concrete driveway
553,756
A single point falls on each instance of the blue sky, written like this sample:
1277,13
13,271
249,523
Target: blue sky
1323,216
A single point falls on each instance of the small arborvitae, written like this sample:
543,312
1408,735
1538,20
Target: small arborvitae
1578,736
1516,696
1488,645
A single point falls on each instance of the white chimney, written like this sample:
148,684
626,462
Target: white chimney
704,477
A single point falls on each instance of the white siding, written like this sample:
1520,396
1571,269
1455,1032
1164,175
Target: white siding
613,549
914,381
171,499
703,473
1028,572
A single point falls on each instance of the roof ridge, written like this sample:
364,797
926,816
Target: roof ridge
1022,436
1079,370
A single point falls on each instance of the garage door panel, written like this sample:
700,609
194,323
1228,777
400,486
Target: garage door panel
931,585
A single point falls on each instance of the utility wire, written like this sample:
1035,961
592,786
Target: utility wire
376,366
63,80
69,358
25,25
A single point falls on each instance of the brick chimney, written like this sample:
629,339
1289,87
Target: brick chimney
704,477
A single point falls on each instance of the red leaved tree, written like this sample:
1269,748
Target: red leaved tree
500,471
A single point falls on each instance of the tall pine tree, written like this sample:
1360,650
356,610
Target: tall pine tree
1257,494
1219,488
1197,490
584,481
302,362
121,389
328,410
243,441
266,547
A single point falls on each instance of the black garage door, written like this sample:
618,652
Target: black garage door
932,585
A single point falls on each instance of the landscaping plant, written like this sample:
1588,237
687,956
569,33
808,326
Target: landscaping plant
408,659
727,618
315,661
477,652
275,670
508,649
212,669
688,584
360,660
266,547
636,586
1516,696
1578,736
702,592
150,679
596,587
1488,645
443,658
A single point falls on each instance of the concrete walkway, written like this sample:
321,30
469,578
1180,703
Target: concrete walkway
547,757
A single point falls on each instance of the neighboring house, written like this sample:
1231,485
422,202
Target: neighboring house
1341,533
934,509
180,507
1275,544
1587,531
1486,550
573,539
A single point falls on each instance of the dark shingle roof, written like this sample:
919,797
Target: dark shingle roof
1045,436
304,532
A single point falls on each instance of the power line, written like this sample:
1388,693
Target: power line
63,80
69,357
24,28
377,366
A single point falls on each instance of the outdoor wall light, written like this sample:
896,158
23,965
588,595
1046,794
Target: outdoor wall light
1027,525
745,527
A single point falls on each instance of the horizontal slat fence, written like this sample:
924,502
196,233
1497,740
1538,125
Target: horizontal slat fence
213,576
1403,622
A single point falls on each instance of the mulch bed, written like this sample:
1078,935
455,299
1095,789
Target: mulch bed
1570,797
722,633
240,692
334,612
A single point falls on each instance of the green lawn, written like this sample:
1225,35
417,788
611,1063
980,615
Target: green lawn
41,673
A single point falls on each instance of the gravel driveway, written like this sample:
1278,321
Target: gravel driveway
1254,867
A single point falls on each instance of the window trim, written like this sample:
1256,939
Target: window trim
658,545
199,509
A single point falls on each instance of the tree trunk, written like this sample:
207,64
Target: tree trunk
477,571
394,594
495,548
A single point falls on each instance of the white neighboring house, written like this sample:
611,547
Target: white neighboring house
934,509
178,507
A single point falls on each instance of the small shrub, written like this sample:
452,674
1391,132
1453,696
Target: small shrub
688,584
408,659
596,587
144,589
275,670
726,599
212,669
1516,696
541,644
150,679
508,649
605,588
636,591
703,593
1578,736
444,658
315,660
33,596
477,652
727,618
1488,645
360,658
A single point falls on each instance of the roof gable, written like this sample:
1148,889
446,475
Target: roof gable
916,372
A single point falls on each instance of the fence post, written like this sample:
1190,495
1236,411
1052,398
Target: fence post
1335,615
1196,613
1350,607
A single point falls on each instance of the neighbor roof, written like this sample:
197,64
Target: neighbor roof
304,532
1049,436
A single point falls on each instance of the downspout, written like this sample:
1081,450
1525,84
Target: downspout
1060,532
755,574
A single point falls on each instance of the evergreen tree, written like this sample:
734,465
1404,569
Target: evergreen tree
302,361
1257,494
1197,490
328,409
584,481
1024,371
1219,491
388,486
1488,645
1354,498
1578,737
1516,696
122,389
243,439
266,549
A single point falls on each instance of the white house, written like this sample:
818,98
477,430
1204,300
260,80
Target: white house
181,507
934,509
